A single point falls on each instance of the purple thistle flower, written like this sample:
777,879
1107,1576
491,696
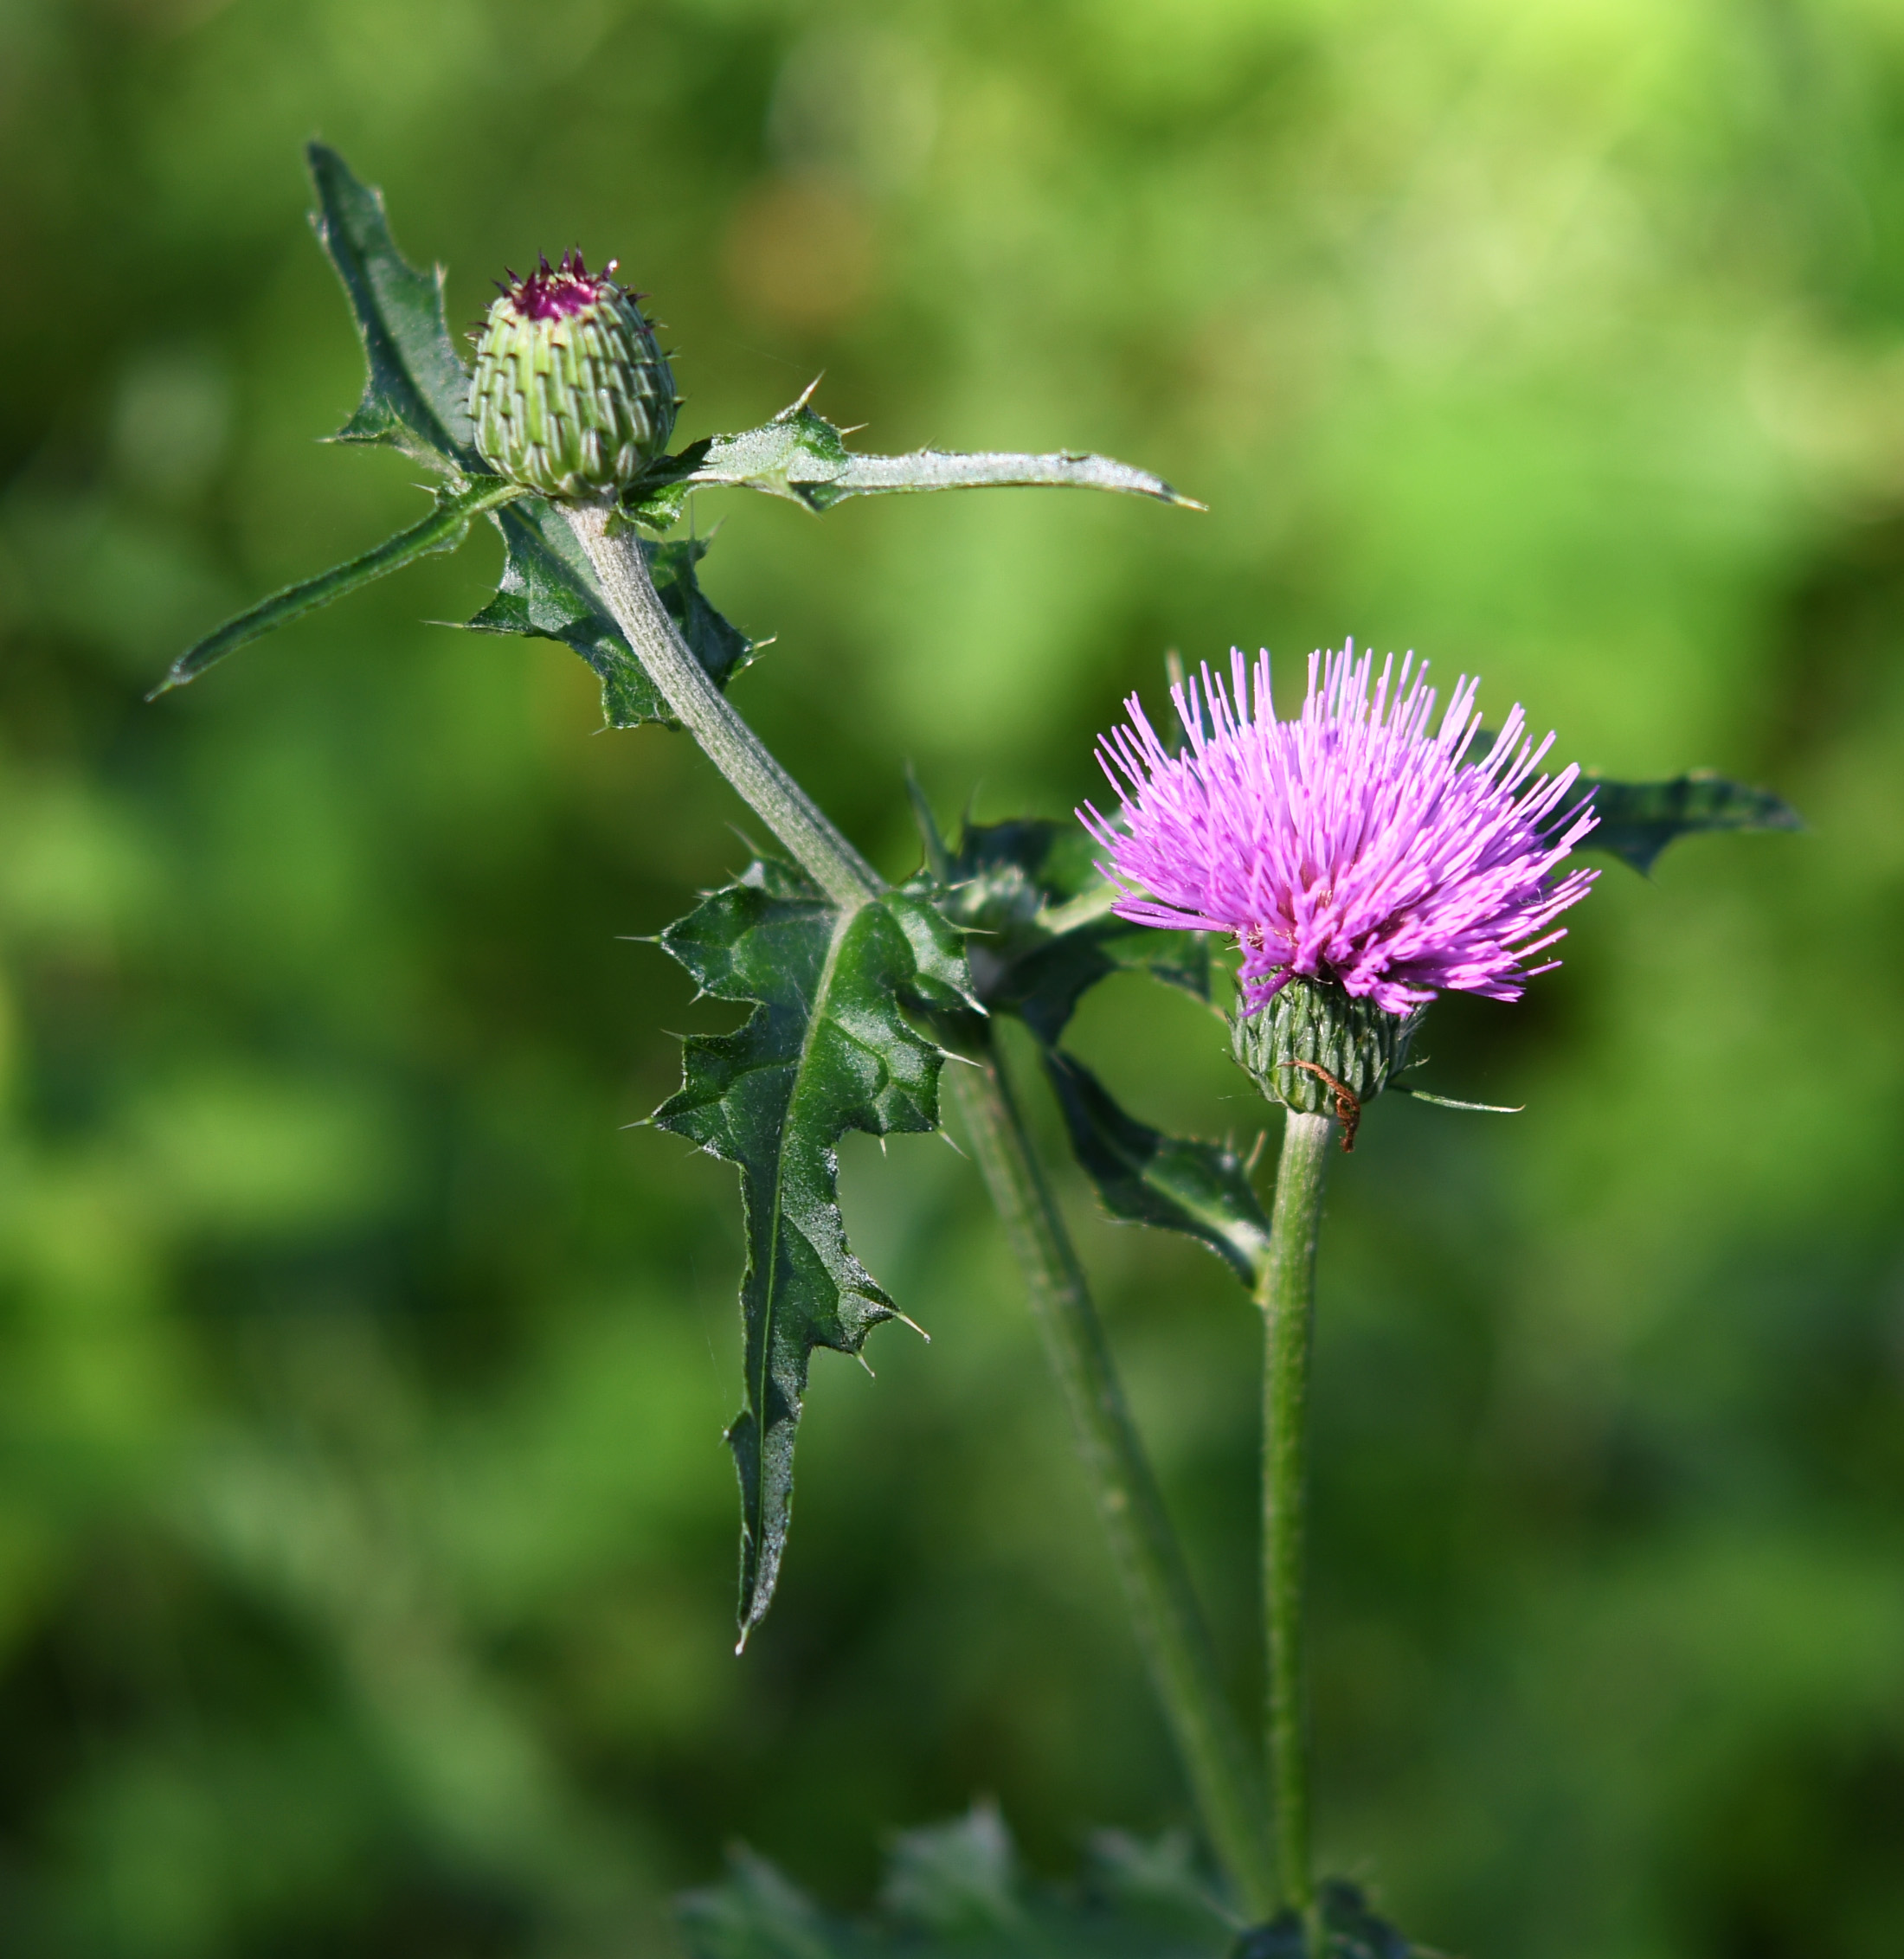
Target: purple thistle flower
1350,844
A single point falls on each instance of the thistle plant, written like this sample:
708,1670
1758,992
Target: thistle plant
1358,863
1359,869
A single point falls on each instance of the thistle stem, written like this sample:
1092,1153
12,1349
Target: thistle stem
1170,1626
702,709
1163,1606
1287,1295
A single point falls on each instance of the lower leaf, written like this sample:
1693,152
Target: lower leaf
1145,1177
1350,1929
958,1888
827,1049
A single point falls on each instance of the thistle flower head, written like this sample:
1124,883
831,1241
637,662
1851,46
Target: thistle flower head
571,394
1352,845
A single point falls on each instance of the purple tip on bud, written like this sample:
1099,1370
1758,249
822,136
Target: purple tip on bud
557,291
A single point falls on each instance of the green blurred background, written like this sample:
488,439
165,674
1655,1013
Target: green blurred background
366,1538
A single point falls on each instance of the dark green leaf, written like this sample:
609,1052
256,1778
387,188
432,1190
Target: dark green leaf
1639,819
548,590
443,530
827,1049
417,397
803,457
1145,1177
957,1891
1353,1931
1041,929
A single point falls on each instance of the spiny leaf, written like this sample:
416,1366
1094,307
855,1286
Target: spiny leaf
417,397
548,590
801,456
1040,927
443,530
958,1889
1638,820
1145,1177
827,1049
1351,1931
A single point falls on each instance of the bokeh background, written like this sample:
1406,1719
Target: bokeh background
366,1538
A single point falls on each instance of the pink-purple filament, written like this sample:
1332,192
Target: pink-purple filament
1351,843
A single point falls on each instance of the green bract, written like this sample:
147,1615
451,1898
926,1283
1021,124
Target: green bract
572,395
1312,1041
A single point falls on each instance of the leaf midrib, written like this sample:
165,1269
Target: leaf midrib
769,1318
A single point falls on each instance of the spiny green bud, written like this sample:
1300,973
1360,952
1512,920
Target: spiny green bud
572,395
1316,1049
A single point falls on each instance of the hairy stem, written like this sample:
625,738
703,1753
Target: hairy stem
703,710
1170,1626
1287,1295
1163,1604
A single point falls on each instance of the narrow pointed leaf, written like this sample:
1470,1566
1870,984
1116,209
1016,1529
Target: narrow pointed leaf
549,591
827,1049
416,394
803,457
957,1890
1448,1102
443,530
1638,820
983,469
756,1913
1144,1177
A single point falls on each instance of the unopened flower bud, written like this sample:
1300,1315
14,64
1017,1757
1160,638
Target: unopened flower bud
1312,1042
572,395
